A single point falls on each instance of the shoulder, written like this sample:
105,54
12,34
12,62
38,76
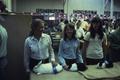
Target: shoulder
87,34
77,41
113,34
104,34
45,35
28,39
62,40
2,28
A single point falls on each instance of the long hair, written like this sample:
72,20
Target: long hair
35,23
100,28
78,24
117,23
69,25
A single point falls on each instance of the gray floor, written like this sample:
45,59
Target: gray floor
64,75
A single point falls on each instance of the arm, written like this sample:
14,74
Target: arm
26,56
85,45
84,49
79,55
105,45
109,49
60,53
51,51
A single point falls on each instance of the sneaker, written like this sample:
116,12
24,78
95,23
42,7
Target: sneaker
81,67
109,65
101,65
104,64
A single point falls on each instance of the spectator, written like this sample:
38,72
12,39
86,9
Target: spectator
69,52
38,48
95,42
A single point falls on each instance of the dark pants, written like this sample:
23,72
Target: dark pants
93,61
34,62
3,65
80,66
113,56
69,62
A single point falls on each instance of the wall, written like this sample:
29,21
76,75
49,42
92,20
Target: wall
18,27
14,4
107,6
31,5
116,6
96,5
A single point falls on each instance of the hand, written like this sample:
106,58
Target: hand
54,63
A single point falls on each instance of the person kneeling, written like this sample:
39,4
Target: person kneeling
38,49
69,53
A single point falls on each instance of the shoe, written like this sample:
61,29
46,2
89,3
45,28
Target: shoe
101,65
81,67
105,64
109,65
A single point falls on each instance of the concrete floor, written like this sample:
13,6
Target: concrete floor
64,75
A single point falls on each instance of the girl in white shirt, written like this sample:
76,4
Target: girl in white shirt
95,42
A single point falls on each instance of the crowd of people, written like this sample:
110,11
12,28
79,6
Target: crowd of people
84,42
81,44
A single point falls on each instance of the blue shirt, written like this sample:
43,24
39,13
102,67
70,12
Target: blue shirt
69,50
38,49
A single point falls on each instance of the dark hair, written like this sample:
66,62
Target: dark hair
100,28
34,25
62,20
66,21
70,25
117,23
78,24
3,7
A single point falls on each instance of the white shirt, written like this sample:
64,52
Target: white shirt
80,32
62,25
38,50
94,50
3,41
